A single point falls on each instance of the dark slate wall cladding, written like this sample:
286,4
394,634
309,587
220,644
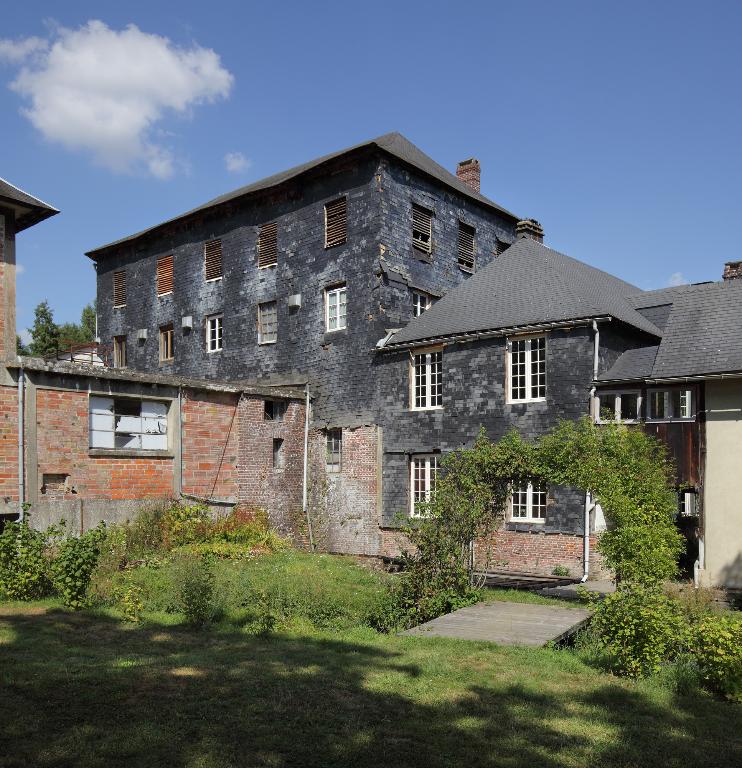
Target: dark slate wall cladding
615,339
474,396
338,363
408,267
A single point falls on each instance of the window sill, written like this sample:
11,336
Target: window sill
268,266
130,452
212,351
163,295
330,336
679,420
526,521
214,279
468,270
526,401
431,408
267,343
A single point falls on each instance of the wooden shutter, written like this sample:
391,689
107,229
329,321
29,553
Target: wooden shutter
268,245
466,247
119,288
336,222
165,275
213,259
422,222
500,246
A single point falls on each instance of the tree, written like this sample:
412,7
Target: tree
20,347
44,333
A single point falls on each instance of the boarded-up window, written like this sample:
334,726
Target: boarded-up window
165,275
119,288
422,229
213,259
336,222
268,245
466,247
127,422
119,351
167,343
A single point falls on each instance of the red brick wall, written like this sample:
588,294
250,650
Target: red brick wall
278,491
62,445
210,444
9,443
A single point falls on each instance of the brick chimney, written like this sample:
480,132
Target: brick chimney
470,173
732,270
530,228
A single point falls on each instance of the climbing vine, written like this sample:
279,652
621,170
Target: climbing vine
625,470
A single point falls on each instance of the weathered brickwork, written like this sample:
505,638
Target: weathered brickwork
62,448
210,445
9,443
262,484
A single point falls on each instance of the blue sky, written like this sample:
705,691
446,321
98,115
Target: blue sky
616,125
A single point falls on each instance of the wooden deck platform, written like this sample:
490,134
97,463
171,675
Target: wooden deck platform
507,623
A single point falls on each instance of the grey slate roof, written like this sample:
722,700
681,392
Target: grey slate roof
393,144
29,209
632,365
703,335
527,285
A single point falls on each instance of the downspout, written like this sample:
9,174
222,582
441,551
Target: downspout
588,496
21,444
180,439
305,506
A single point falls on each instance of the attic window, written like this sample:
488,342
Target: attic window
268,245
500,246
466,247
165,275
119,288
422,226
213,259
336,222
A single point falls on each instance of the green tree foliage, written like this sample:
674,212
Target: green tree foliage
45,332
20,347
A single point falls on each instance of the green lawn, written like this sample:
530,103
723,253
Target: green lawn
86,689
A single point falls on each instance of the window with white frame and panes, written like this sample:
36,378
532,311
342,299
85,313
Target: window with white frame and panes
619,405
128,423
670,404
214,333
426,380
528,503
268,322
334,452
423,476
527,369
421,302
336,308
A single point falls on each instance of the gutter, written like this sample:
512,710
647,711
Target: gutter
21,444
494,333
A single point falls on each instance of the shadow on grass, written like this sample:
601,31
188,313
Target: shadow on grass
83,690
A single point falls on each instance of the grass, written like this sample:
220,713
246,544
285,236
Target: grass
492,594
89,690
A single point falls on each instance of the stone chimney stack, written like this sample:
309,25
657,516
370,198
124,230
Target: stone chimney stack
530,228
732,270
470,173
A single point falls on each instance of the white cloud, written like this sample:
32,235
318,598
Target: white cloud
236,162
104,91
14,51
676,279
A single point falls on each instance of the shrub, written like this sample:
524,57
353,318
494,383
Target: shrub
194,584
131,602
560,570
73,566
639,628
717,645
24,566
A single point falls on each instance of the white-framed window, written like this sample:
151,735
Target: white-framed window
527,369
528,503
421,302
268,322
334,449
426,379
214,333
423,476
619,405
119,351
666,404
167,343
128,422
336,308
